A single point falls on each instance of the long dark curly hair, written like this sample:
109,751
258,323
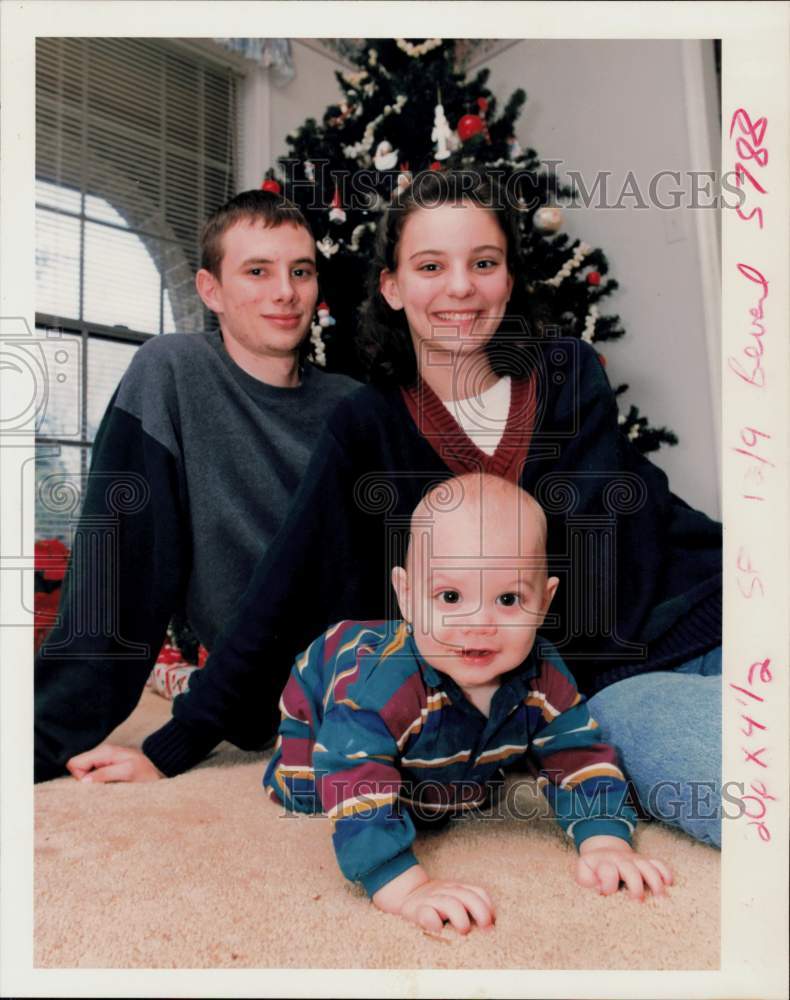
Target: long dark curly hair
384,343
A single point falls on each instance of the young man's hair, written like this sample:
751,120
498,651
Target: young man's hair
265,207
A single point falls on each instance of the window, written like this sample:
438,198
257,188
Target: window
136,144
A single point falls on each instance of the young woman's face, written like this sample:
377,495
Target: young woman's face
452,279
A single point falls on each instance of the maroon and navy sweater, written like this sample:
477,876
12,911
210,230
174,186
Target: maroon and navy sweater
640,570
369,727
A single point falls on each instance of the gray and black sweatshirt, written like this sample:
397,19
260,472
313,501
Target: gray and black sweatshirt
192,473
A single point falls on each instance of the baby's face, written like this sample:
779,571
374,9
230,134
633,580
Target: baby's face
474,616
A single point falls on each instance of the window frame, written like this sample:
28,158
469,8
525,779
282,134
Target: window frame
207,53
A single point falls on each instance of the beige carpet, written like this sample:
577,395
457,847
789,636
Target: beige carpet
204,871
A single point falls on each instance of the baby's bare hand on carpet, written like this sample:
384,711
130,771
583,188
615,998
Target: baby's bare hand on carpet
438,900
605,862
108,762
429,902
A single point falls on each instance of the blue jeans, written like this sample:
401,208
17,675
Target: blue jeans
667,727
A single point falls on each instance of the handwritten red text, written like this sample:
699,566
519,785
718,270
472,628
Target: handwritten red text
749,146
755,805
754,350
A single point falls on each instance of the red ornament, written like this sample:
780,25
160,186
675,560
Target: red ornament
482,103
270,184
435,165
593,278
51,558
469,125
602,359
337,212
169,654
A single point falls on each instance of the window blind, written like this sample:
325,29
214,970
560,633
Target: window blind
137,142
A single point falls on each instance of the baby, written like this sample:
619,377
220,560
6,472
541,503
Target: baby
387,722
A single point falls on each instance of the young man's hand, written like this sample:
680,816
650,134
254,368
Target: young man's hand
605,862
430,902
108,762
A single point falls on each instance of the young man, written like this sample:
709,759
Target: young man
193,468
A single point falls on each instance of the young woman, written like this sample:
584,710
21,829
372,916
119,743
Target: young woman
459,384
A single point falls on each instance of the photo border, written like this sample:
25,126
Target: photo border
754,873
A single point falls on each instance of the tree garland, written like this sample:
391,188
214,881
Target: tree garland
360,150
589,324
569,266
416,51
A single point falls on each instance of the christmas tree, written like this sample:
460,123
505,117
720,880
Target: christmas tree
408,107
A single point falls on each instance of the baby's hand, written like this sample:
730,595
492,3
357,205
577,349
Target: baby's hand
605,862
438,900
430,902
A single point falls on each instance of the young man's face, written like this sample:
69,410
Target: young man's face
267,290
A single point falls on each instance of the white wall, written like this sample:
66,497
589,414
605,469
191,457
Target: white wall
616,106
270,112
613,106
308,95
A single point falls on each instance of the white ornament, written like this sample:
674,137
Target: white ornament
621,419
324,317
514,148
633,433
309,170
385,157
337,212
373,57
441,133
548,219
327,246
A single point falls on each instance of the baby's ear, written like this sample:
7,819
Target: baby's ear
400,584
551,589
